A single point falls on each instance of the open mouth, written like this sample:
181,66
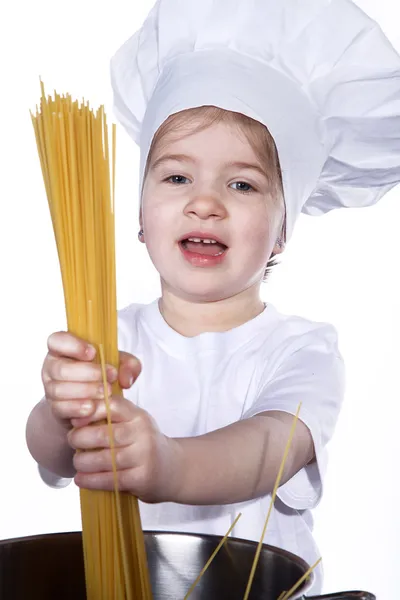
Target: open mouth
203,246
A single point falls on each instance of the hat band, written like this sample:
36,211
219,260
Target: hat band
232,81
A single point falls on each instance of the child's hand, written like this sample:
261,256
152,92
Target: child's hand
73,382
146,460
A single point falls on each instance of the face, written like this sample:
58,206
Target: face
210,215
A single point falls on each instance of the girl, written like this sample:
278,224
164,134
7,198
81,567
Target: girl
245,116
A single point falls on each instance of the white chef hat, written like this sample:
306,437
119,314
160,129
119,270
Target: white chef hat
319,74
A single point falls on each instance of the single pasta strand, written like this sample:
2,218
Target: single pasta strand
87,209
213,555
114,158
273,496
286,595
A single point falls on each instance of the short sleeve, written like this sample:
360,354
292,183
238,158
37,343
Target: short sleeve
52,480
314,375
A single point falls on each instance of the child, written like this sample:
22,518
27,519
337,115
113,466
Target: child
246,113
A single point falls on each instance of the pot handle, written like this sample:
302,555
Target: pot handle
344,596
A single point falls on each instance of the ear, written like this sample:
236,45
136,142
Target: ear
280,243
279,246
141,232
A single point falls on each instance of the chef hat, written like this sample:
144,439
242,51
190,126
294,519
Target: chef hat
319,74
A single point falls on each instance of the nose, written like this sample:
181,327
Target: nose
206,204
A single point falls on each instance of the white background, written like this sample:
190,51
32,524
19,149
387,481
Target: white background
342,268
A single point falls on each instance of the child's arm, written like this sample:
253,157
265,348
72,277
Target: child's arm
233,464
47,441
241,461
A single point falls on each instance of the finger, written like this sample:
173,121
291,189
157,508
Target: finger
127,480
129,369
73,409
69,390
97,461
96,437
81,410
78,422
67,369
96,481
64,343
121,410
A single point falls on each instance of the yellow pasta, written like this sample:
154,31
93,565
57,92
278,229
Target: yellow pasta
286,595
273,496
213,555
73,146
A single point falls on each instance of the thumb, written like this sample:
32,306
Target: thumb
129,369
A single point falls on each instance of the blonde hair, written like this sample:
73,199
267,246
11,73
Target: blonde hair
194,120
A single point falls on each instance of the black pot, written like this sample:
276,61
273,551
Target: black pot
50,567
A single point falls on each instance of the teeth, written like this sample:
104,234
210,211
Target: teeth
205,241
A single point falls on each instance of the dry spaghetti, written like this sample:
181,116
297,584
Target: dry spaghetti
273,496
213,555
73,146
286,595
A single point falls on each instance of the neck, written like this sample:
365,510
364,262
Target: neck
190,318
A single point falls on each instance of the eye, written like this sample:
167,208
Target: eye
242,186
177,179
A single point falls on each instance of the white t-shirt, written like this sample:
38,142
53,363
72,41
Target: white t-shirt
195,385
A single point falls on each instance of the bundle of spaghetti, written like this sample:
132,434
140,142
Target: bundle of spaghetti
73,146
